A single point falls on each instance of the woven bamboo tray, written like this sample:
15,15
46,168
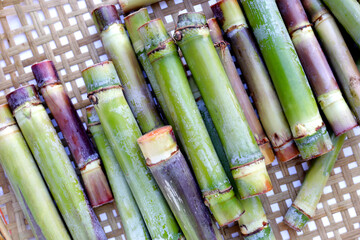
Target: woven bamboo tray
63,31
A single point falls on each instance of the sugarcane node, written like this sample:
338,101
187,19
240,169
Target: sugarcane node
178,36
21,95
45,73
300,29
221,44
265,224
247,164
161,46
93,99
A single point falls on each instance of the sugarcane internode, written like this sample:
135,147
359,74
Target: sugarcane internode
54,163
288,76
122,131
118,47
304,207
316,67
246,160
82,149
173,175
256,76
169,71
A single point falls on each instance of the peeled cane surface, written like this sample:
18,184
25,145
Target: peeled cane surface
64,32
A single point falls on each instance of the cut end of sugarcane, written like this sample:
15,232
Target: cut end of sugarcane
252,179
264,234
92,116
267,152
190,19
105,16
153,33
287,151
21,95
296,219
315,145
225,207
215,31
6,117
158,145
229,14
45,73
96,185
99,76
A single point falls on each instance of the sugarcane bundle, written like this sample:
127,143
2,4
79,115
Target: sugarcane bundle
246,160
83,151
226,59
54,163
129,5
232,21
215,186
316,67
178,185
122,131
292,87
118,47
26,180
304,207
132,23
131,219
337,51
347,12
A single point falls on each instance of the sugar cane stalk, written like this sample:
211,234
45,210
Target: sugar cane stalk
122,131
337,51
304,207
256,76
54,164
316,67
131,218
118,47
129,5
226,59
292,87
246,161
25,177
83,151
174,177
215,186
347,12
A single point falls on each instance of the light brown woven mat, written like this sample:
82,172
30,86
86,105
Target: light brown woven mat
63,31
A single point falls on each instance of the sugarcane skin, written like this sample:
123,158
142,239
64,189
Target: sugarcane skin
128,5
47,148
122,132
131,218
299,105
119,49
28,184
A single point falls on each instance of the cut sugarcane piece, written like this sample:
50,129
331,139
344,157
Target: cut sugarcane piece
347,12
304,206
288,76
226,59
132,23
118,47
26,180
232,21
337,51
130,215
129,5
122,131
175,179
246,160
54,164
70,124
215,186
316,67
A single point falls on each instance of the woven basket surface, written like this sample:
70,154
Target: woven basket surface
63,31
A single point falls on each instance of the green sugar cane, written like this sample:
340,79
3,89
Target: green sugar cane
118,47
292,87
130,215
246,160
214,184
122,131
129,5
26,180
54,164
